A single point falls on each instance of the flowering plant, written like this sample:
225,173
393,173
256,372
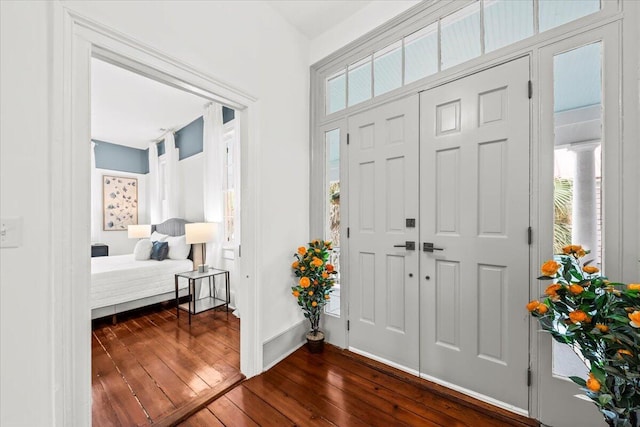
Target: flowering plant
315,280
600,320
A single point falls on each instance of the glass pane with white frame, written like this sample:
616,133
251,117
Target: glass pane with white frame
553,13
336,98
387,69
460,36
332,203
421,53
359,81
506,22
577,91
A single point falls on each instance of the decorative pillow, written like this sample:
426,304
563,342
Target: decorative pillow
158,237
178,248
142,250
160,251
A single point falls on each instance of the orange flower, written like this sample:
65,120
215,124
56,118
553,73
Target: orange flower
302,250
305,282
317,251
552,290
327,243
313,304
625,352
576,289
533,305
567,249
327,296
295,264
590,269
602,327
578,316
329,268
316,262
296,294
635,319
550,268
310,293
325,275
303,268
593,384
537,306
633,286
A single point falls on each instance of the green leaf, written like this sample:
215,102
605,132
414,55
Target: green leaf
580,381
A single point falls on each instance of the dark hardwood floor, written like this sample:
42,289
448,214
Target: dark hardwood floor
151,365
339,388
153,369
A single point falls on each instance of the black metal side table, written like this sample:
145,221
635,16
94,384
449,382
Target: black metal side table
197,305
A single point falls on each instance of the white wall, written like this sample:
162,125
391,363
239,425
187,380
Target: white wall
245,44
366,19
118,241
26,386
191,188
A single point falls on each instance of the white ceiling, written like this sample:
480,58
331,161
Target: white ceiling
129,109
314,17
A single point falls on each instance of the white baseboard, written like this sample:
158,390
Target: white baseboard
282,345
476,395
385,361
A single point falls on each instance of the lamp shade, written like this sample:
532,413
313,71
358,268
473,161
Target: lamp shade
139,231
200,232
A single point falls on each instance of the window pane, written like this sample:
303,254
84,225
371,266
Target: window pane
577,92
387,69
506,22
360,81
332,154
336,93
460,33
421,53
557,12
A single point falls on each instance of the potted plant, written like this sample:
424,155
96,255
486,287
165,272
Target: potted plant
600,321
314,280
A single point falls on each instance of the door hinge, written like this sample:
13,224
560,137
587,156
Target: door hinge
239,251
347,139
530,89
529,377
529,235
348,232
348,324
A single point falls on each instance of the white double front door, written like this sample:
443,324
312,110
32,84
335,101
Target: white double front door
446,170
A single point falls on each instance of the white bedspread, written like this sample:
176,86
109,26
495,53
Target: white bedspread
118,279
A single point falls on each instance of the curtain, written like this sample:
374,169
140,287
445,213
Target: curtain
155,205
172,178
213,171
96,198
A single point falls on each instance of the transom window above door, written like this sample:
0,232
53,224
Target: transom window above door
478,28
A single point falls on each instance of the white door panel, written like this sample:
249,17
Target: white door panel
383,189
474,149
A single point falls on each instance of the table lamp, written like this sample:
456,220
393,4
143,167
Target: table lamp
200,232
138,231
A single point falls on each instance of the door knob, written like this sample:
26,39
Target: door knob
410,246
428,247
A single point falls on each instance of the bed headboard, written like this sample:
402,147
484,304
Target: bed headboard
172,227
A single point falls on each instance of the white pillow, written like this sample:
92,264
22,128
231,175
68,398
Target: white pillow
158,237
142,251
178,247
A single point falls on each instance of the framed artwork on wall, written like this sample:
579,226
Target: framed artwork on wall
119,202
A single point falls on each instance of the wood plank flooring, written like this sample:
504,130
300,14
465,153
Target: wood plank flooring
151,364
153,369
339,388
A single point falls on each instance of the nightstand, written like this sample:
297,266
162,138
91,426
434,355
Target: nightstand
99,249
197,305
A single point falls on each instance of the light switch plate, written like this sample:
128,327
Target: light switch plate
10,232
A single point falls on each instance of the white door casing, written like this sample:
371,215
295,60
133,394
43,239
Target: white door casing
474,205
383,189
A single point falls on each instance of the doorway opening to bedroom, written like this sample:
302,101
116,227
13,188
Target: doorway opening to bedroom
162,158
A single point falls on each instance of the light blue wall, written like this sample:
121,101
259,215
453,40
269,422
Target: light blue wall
189,138
120,158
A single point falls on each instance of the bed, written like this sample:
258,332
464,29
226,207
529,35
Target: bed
120,283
